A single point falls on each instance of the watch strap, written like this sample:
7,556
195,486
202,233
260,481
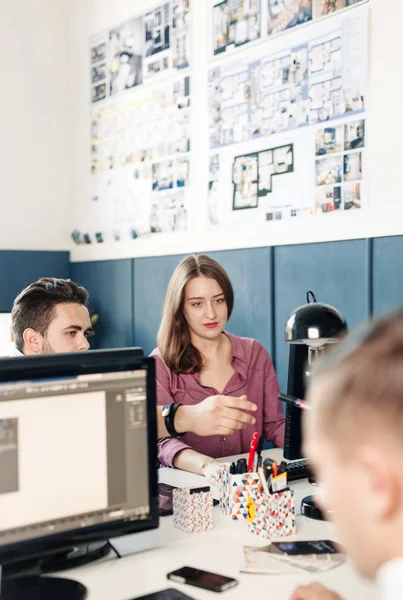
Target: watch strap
169,421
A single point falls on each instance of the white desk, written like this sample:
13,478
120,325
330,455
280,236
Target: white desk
219,550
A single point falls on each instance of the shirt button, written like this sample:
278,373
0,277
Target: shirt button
223,439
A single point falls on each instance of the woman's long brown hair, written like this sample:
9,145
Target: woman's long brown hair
174,343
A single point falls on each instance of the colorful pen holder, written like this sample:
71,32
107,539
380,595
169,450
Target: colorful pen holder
272,516
193,509
234,491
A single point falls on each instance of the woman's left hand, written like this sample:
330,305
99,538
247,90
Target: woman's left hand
210,470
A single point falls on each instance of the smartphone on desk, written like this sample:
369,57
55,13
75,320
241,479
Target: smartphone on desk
304,548
203,579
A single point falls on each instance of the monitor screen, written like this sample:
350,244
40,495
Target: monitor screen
75,453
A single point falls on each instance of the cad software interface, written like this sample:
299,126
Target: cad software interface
73,453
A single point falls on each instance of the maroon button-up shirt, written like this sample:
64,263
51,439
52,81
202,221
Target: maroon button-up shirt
254,377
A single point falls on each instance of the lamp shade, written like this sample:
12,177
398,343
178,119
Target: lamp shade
314,324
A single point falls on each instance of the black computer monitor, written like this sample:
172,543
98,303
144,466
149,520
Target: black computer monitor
296,386
77,459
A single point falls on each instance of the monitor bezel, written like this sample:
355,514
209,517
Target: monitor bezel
74,364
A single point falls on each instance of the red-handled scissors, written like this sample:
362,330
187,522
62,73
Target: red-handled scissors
252,450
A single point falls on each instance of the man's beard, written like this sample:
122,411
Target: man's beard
46,347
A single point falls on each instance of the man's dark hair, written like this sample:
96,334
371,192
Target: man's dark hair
35,306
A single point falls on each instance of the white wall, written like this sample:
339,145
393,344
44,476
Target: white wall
34,134
385,130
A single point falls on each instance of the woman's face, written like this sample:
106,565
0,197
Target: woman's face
205,308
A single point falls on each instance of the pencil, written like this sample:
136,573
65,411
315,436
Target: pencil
294,401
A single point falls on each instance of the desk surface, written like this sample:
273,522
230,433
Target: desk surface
219,550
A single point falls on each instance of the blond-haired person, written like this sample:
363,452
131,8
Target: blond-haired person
354,438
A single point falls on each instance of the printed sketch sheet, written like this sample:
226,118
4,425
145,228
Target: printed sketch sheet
287,124
140,126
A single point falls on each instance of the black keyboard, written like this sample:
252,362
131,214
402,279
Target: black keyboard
298,470
168,594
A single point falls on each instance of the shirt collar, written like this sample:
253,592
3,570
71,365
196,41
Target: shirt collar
241,368
389,579
237,347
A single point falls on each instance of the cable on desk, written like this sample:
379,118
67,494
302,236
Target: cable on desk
114,549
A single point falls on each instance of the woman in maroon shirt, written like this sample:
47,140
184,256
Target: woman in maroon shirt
197,360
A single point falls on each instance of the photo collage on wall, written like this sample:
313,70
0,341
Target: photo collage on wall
312,92
287,95
296,87
140,126
235,23
141,48
238,22
339,166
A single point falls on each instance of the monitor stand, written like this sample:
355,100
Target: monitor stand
24,580
75,557
35,587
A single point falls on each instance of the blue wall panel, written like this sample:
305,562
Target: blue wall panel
110,286
387,274
250,271
337,272
150,282
20,268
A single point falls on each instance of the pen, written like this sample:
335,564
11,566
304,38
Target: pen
259,447
267,463
263,481
258,454
294,401
252,450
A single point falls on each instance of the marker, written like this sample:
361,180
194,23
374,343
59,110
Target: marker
294,401
252,450
267,463
241,466
258,454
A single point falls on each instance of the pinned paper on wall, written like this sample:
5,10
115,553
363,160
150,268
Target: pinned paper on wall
152,44
140,149
287,126
287,116
237,23
140,127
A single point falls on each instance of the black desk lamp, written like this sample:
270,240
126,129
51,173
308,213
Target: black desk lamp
309,330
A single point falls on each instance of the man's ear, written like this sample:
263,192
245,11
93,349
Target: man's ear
382,484
32,341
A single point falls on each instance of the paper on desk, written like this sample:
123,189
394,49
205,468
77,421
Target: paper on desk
261,560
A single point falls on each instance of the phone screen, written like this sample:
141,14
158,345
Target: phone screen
203,579
310,547
165,499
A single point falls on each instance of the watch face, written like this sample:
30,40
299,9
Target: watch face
165,410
